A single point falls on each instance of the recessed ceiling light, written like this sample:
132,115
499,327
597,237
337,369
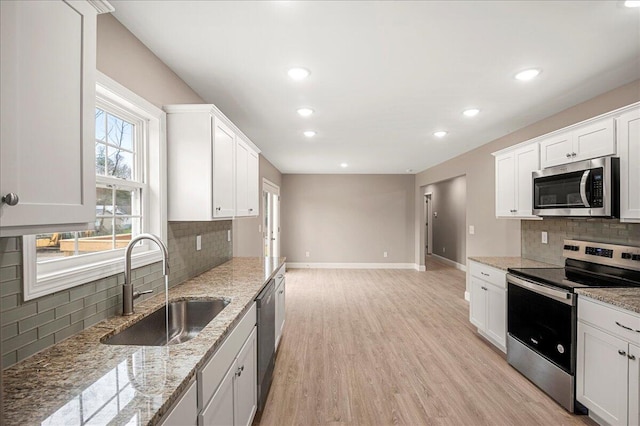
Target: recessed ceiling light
305,112
309,133
409,170
298,73
527,75
471,112
440,134
344,165
632,3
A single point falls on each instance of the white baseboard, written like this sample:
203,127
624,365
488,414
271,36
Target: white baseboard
467,296
456,265
318,265
420,268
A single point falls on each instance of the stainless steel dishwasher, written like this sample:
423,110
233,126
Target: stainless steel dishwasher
266,304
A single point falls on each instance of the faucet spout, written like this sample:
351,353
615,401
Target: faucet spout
127,288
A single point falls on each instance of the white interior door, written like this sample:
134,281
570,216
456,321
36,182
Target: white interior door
271,209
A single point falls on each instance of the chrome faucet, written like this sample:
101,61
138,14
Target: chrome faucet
128,295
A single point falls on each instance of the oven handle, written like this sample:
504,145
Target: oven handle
583,188
559,295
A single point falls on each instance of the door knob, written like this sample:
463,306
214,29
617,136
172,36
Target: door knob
11,199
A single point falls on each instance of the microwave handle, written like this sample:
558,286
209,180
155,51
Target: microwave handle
583,188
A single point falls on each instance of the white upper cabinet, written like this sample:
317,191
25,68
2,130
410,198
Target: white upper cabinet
590,140
246,180
223,170
628,138
513,181
208,165
47,81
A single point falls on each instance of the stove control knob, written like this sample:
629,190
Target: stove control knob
635,257
626,255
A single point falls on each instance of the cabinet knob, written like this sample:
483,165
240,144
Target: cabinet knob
621,352
250,210
11,199
281,291
573,154
568,155
218,209
631,357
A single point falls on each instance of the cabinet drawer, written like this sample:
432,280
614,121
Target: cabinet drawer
214,371
610,319
487,273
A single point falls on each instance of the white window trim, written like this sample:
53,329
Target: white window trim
45,279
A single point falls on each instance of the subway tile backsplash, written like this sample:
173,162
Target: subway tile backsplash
28,327
558,229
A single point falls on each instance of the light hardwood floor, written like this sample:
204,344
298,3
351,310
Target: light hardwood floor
378,347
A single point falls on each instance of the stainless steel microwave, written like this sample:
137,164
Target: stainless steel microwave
589,188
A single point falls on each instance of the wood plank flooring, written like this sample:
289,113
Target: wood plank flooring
379,347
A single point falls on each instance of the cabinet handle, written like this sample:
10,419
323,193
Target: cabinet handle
279,275
240,370
250,210
631,357
11,199
573,154
486,275
281,291
621,352
626,328
218,209
484,288
568,155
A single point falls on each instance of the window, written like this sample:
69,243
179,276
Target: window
130,198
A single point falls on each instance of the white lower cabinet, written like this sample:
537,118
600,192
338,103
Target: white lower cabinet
628,137
228,381
608,354
280,297
185,411
487,309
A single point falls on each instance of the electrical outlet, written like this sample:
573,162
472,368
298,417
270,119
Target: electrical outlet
198,242
545,237
306,254
444,249
472,230
384,254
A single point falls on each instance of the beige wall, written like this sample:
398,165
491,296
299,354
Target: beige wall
449,201
125,59
501,237
348,218
247,238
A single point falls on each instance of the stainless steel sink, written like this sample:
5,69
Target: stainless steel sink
186,319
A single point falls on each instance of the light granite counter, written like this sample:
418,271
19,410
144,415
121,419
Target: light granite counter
625,298
506,262
81,380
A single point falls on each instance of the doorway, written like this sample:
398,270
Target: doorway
271,225
428,230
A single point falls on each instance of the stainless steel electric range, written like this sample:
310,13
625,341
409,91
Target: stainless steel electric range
542,312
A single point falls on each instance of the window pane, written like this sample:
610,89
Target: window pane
120,132
104,201
124,201
55,245
104,227
100,124
101,153
119,163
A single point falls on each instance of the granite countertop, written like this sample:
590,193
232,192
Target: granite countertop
504,263
625,298
81,380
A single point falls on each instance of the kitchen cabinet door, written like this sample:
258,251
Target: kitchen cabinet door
526,161
242,179
602,374
185,412
505,185
628,138
253,184
478,304
47,129
634,385
223,170
220,411
245,390
280,304
596,139
556,150
496,321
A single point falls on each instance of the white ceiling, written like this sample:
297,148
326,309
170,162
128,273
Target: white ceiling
386,75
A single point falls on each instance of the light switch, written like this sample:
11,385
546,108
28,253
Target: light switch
472,230
545,237
307,254
198,242
384,254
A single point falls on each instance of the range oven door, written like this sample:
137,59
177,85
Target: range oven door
543,319
584,188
